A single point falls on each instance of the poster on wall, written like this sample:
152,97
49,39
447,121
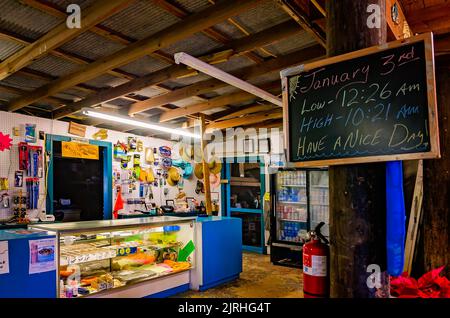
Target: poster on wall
42,256
79,150
4,257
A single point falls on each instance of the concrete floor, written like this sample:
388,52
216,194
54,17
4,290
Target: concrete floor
259,279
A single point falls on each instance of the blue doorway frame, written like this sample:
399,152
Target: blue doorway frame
106,147
226,192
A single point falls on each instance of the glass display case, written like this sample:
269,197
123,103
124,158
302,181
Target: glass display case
97,256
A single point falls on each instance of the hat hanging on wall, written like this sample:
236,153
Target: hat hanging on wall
186,152
198,171
187,171
173,176
215,165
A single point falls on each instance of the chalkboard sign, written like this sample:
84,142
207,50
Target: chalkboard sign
376,104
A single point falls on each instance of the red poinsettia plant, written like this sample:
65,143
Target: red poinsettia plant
431,285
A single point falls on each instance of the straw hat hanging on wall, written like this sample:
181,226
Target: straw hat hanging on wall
173,176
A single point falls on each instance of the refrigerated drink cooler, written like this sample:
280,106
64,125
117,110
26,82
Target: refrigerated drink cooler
299,203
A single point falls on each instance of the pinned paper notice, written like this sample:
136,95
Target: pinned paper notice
42,256
4,257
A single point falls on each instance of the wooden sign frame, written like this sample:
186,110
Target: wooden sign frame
433,127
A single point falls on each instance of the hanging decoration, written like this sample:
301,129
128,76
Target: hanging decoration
5,142
102,134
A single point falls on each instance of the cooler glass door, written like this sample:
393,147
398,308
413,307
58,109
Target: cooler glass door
291,206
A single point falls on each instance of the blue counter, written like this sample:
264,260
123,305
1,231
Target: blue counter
218,253
18,283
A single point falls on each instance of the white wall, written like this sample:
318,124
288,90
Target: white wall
9,160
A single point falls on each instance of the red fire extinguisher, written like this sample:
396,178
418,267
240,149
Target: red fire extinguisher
316,255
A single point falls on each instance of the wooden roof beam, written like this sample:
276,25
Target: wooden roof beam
61,34
246,120
168,36
176,71
396,29
215,102
301,18
209,32
62,54
213,84
253,109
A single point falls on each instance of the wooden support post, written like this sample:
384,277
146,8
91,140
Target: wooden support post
357,192
436,178
205,167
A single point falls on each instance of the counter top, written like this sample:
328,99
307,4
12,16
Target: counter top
122,223
17,234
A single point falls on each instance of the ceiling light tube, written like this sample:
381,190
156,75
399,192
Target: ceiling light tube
225,77
137,123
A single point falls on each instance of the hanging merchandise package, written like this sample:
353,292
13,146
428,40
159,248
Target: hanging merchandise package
30,133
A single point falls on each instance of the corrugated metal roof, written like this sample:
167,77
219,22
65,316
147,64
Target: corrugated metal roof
54,66
180,82
293,43
140,20
195,45
120,102
24,20
72,93
193,5
105,80
149,92
7,96
235,63
69,96
64,3
265,15
91,46
8,48
145,65
22,82
229,30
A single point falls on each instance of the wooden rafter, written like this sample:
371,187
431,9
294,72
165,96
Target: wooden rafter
61,34
212,84
170,35
215,102
71,57
246,120
398,29
177,71
253,109
302,19
54,101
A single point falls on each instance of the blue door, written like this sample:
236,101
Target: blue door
244,199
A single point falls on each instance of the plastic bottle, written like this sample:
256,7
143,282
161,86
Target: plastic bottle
61,289
69,291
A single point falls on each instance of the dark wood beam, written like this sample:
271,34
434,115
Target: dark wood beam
172,34
357,192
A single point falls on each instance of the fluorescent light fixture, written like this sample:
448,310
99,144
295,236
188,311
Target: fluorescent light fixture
225,77
137,123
